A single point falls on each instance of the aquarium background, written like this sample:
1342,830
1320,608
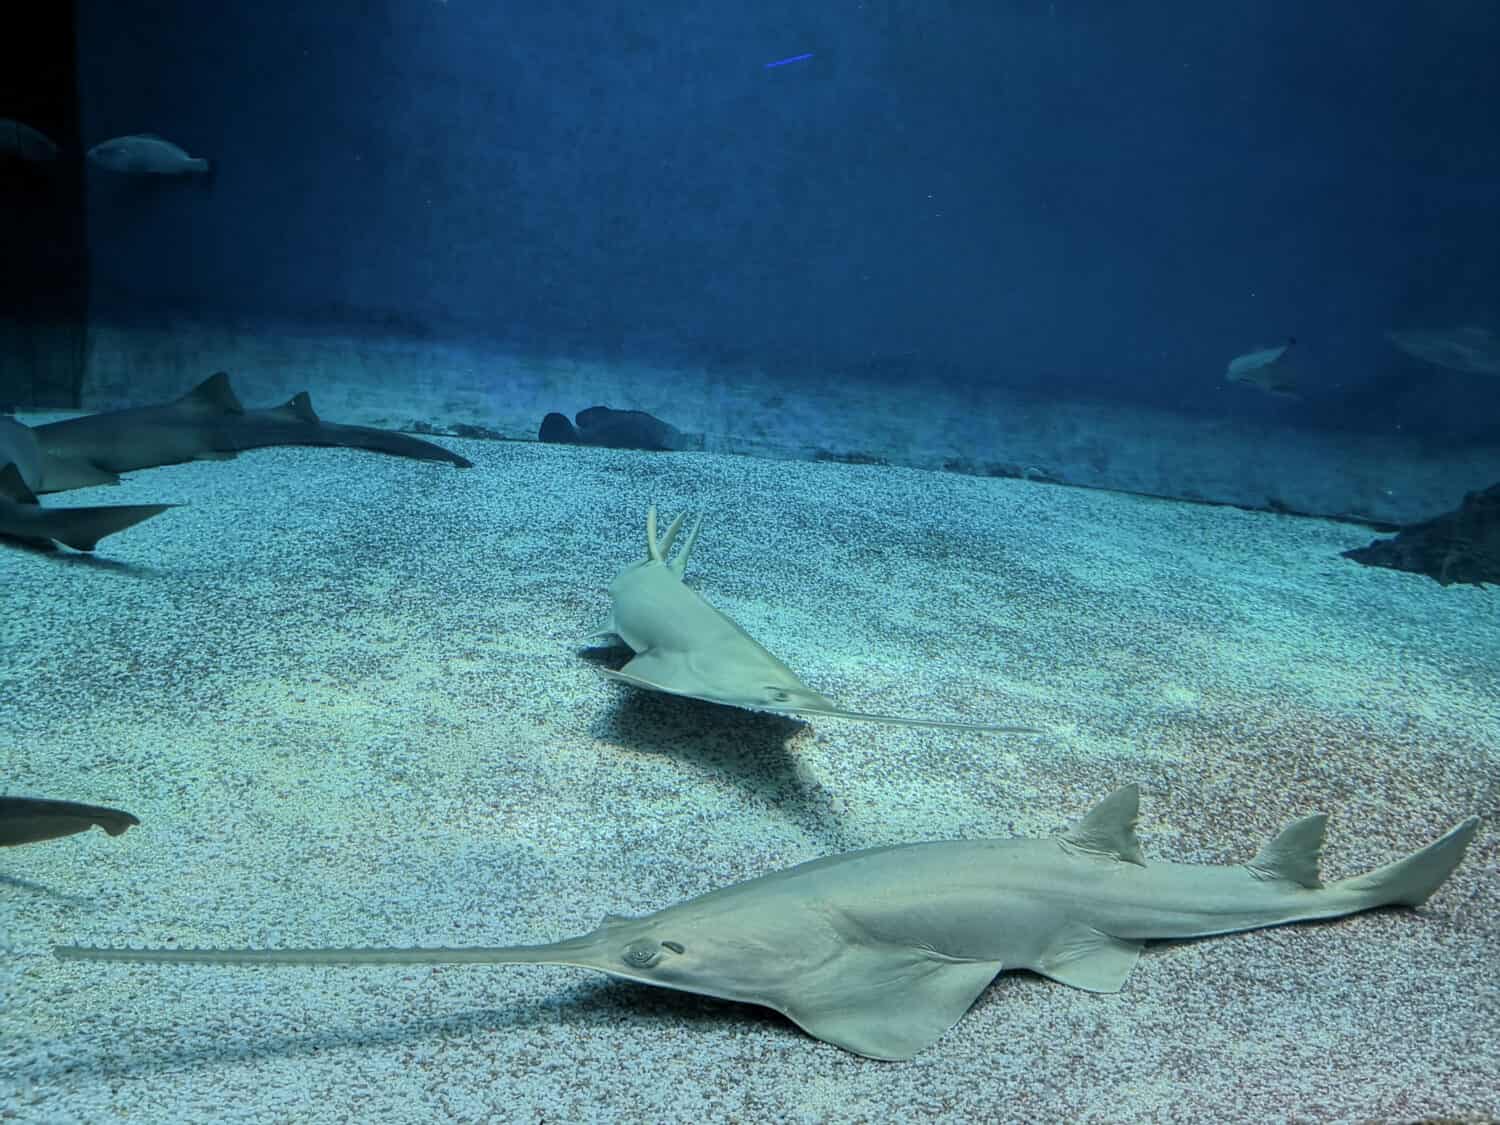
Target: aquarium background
1019,239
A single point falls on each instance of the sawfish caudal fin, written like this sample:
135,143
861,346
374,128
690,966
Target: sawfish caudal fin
1411,881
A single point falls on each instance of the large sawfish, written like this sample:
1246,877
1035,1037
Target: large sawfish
882,951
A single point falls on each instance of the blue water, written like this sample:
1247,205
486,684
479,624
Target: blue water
1076,199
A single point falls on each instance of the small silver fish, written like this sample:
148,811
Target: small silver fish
19,141
1471,349
1259,370
145,154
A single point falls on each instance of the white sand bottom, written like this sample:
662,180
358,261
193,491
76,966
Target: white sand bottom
342,693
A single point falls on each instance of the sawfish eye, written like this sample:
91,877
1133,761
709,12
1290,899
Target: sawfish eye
779,696
641,954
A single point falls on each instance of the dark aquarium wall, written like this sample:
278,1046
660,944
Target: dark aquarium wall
43,259
1007,207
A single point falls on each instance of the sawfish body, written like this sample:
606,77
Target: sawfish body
208,423
882,951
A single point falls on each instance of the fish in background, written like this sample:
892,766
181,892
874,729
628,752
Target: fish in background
1458,546
145,154
28,820
207,424
1264,370
617,429
19,141
1470,348
22,472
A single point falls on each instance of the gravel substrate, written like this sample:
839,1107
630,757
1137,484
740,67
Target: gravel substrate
343,693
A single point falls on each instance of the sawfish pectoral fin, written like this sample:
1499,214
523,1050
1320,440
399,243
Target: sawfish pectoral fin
656,670
61,474
887,1002
1086,958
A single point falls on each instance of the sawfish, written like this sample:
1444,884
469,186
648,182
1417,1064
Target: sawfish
684,646
207,423
882,951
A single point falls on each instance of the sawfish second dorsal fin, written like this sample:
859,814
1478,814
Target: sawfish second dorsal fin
213,394
1108,829
1293,853
298,408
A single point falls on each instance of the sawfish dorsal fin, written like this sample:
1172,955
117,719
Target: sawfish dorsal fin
657,550
1293,853
215,394
299,408
1108,829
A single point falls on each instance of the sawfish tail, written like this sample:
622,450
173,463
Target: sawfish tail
358,437
79,528
1411,881
295,422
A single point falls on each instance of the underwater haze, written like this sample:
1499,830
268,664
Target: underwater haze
1041,207
494,489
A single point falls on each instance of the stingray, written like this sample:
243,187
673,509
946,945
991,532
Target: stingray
22,517
1470,349
26,820
206,424
617,429
881,951
1264,370
684,646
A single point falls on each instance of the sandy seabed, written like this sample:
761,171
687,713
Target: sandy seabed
344,695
